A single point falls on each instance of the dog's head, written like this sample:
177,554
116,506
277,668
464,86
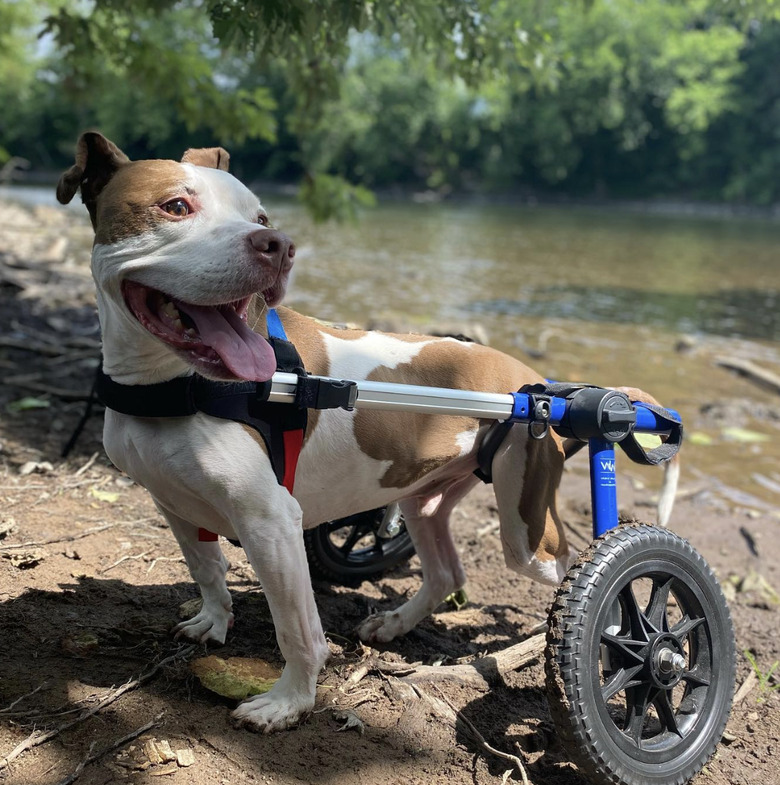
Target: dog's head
180,248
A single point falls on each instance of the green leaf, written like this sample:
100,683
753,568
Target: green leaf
104,496
700,438
458,599
744,436
25,404
330,197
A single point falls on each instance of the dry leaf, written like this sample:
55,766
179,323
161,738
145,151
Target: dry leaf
236,677
24,560
104,496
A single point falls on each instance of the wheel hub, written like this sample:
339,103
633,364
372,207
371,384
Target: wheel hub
667,661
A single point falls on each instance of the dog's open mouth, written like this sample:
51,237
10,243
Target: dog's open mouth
214,338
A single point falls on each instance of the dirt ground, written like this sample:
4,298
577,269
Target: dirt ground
91,582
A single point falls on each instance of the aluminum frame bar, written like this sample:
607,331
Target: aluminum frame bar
411,398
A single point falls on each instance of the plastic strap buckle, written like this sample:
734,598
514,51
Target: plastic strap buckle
315,393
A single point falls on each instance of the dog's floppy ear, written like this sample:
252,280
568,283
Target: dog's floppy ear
213,157
97,160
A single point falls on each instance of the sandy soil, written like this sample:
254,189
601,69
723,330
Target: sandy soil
91,582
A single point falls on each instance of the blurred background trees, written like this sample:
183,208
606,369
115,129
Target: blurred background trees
612,98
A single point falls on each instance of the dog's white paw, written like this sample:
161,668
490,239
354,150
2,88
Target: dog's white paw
211,624
275,710
381,627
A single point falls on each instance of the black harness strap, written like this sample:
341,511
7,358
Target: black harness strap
492,440
665,451
244,402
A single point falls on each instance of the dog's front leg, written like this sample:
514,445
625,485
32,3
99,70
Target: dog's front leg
274,545
208,567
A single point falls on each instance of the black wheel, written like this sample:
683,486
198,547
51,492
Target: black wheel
349,550
640,659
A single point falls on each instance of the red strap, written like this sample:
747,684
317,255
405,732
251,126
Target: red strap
293,444
204,535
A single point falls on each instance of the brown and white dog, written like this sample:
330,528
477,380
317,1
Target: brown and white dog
181,249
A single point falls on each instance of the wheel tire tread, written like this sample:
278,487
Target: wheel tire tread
564,641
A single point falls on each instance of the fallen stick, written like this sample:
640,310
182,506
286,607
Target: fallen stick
163,558
747,687
485,670
123,559
36,738
38,348
752,371
11,706
87,465
58,392
115,746
72,537
456,718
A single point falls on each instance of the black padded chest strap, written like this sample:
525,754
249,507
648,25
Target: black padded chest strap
244,402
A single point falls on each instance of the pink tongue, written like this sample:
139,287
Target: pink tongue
248,355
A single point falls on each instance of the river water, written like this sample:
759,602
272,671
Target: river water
598,295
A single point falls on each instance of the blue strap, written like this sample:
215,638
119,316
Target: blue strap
274,325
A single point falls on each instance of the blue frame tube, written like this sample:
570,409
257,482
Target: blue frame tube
648,422
603,486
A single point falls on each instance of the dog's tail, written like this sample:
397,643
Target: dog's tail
668,491
671,468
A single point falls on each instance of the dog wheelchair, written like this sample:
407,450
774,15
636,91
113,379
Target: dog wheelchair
640,656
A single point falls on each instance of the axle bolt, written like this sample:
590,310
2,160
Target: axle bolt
670,662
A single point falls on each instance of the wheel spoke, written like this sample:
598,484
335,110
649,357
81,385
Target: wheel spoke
629,650
656,608
639,699
638,624
355,534
686,626
666,712
620,680
695,679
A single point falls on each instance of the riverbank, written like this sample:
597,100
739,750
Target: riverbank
41,192
91,581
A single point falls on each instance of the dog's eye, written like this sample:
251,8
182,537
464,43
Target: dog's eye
178,208
262,220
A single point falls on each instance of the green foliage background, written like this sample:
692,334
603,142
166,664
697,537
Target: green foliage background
613,98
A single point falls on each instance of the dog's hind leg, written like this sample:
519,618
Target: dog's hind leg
526,475
208,567
441,567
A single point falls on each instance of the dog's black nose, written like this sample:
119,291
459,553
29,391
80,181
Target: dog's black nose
276,246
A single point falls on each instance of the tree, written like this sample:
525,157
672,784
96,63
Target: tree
165,45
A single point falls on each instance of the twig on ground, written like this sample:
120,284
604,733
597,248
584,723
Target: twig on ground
30,346
11,706
484,670
77,771
72,537
87,465
39,387
123,559
746,688
36,738
115,746
357,675
163,558
446,710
